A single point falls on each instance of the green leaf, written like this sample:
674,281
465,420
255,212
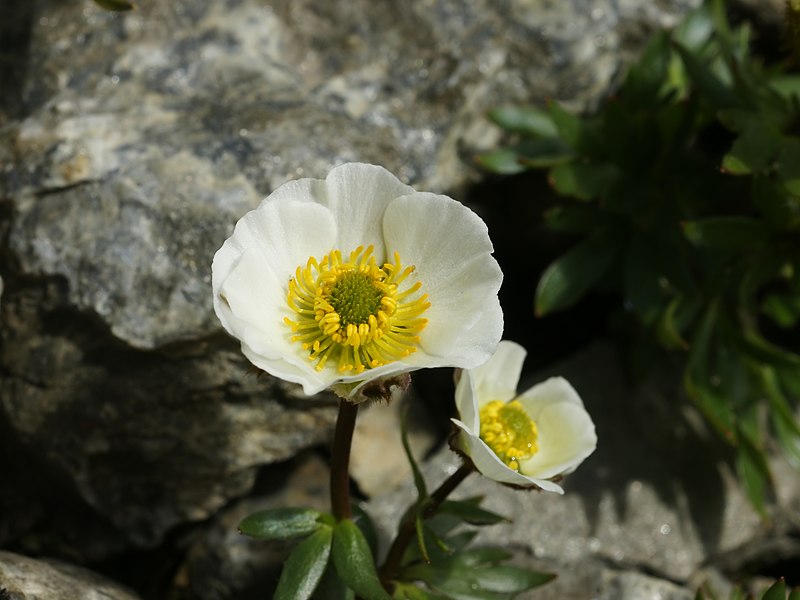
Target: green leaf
504,161
470,512
354,562
305,566
669,328
706,81
695,29
643,279
583,180
409,591
280,523
784,420
646,78
795,595
482,556
761,350
569,126
367,527
115,5
570,276
511,580
777,591
786,85
697,378
419,480
738,233
789,165
544,152
575,218
772,200
753,470
752,151
784,309
463,581
419,527
331,587
527,120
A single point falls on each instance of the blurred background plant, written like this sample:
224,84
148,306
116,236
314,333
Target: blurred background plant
777,591
683,194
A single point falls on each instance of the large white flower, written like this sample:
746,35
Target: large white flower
358,276
521,439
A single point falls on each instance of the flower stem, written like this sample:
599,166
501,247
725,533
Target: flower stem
407,529
340,460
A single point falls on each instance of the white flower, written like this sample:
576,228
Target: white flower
521,439
355,277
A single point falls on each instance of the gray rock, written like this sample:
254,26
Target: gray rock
657,495
224,564
148,440
131,143
25,578
636,586
378,461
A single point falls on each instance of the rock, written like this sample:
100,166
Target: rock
636,586
378,461
147,440
131,143
225,564
24,578
657,495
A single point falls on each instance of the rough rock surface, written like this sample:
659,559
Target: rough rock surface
224,564
656,497
130,144
24,578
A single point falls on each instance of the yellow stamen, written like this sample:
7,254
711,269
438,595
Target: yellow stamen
509,431
353,313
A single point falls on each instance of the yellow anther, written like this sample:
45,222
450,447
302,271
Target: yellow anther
509,431
354,311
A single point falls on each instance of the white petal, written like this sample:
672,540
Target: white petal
489,465
566,438
497,378
450,248
550,391
286,234
467,400
357,194
251,304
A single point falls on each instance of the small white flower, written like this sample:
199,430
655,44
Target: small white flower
521,439
355,277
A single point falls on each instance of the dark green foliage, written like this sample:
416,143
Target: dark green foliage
684,192
777,591
115,5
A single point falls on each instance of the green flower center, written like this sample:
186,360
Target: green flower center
355,297
509,431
